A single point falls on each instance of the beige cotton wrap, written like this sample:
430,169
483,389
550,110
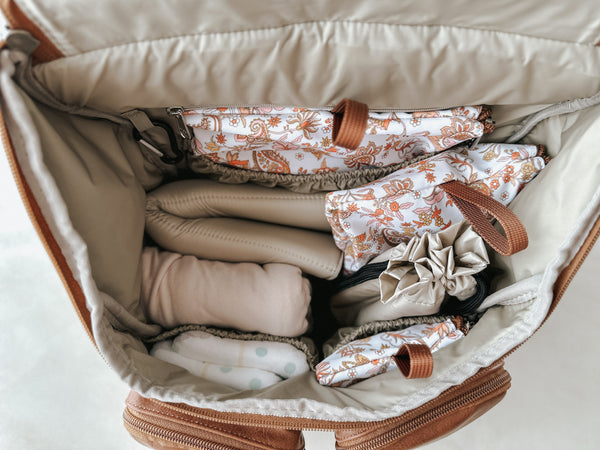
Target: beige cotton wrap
177,290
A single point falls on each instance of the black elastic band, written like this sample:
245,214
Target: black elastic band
453,305
365,273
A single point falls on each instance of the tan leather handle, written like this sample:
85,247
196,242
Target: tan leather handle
349,123
414,361
472,203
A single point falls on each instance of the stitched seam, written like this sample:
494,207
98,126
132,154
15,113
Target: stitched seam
215,196
299,344
207,208
521,298
162,218
198,421
223,170
325,22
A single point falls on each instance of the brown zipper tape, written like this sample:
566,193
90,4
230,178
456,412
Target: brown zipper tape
17,20
45,234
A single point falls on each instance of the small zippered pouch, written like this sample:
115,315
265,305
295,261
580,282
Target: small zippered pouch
409,350
293,140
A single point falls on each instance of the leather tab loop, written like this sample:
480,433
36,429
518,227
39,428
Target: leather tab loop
414,361
472,203
349,123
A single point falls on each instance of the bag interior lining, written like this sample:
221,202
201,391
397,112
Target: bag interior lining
212,69
94,168
75,30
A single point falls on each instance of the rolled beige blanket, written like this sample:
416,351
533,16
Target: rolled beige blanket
243,223
178,290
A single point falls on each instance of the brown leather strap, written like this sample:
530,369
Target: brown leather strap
414,361
472,203
349,123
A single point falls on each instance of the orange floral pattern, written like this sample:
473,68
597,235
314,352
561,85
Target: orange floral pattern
298,140
373,355
370,219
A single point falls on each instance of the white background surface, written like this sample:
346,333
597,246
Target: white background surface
56,392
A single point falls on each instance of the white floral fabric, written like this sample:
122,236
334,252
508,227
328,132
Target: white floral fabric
375,217
298,140
373,355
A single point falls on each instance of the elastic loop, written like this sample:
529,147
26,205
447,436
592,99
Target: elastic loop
414,361
472,203
349,123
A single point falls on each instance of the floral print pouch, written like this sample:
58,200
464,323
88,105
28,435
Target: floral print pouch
286,140
375,217
375,354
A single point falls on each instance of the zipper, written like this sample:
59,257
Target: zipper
447,399
176,112
488,389
147,418
135,425
183,110
561,285
52,249
187,137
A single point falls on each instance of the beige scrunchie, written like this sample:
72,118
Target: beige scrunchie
422,271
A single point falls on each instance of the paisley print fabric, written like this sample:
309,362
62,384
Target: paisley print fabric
370,219
373,355
288,140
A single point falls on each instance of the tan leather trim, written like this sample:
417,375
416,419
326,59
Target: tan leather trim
148,423
43,230
17,20
349,123
445,426
421,425
151,407
566,276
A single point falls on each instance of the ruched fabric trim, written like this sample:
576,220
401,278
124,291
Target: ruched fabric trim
348,334
303,183
303,344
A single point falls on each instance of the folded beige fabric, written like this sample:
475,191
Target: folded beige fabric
178,290
243,223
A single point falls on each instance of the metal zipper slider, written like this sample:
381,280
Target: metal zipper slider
177,113
186,136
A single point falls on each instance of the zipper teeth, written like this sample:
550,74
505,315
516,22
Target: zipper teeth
172,436
12,163
495,384
326,107
294,423
578,265
580,260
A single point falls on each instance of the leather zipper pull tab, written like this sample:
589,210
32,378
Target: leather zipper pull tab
349,123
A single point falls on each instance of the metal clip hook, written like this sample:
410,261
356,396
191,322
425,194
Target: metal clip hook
178,154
